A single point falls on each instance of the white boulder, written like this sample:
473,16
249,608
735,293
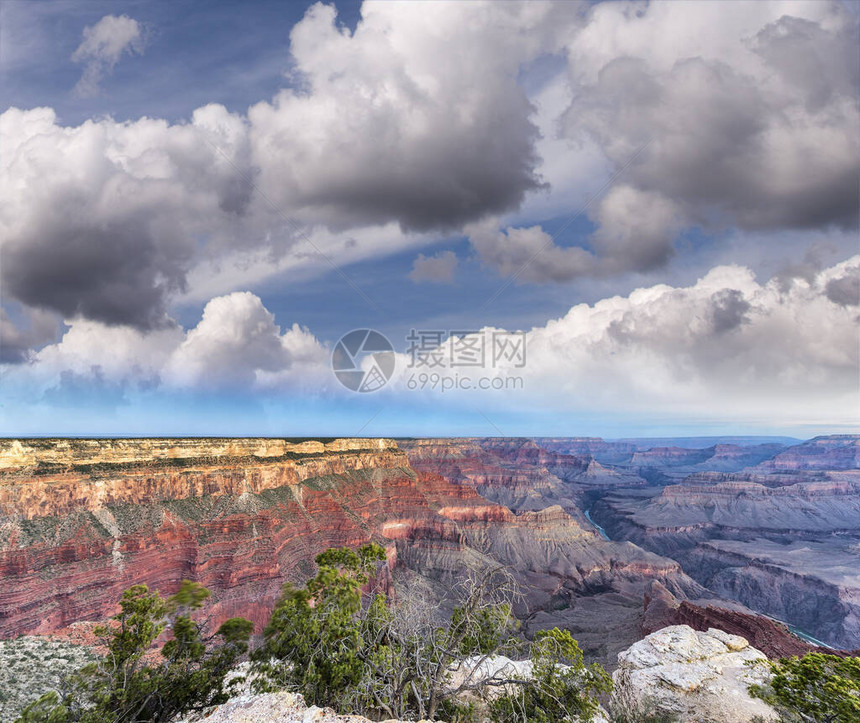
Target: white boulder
698,677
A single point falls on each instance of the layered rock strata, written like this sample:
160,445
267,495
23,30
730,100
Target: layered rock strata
81,520
781,537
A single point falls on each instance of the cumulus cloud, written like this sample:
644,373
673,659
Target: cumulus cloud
103,220
102,47
748,118
438,268
636,233
416,117
728,345
236,345
845,290
413,121
529,254
236,336
423,122
729,349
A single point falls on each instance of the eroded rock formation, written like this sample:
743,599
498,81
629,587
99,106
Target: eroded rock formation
699,677
781,537
81,520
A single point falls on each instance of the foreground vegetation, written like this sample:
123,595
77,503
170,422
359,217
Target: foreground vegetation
816,688
403,659
342,645
188,672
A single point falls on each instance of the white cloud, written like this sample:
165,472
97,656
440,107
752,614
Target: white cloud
418,123
438,268
392,121
635,233
102,47
103,220
388,128
727,349
235,346
748,115
528,254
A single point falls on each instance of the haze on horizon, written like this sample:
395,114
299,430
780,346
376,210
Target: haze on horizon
652,206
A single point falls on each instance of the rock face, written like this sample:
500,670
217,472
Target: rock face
833,452
773,638
593,587
701,677
517,473
50,478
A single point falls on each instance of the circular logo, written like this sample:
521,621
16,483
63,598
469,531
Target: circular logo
363,360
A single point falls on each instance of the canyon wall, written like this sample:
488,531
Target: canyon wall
81,520
781,536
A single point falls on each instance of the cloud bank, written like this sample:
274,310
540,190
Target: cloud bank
728,348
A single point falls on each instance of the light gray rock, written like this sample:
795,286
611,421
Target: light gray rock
280,707
698,677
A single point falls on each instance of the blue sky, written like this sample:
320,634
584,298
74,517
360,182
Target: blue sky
673,224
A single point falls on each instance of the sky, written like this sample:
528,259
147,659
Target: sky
609,219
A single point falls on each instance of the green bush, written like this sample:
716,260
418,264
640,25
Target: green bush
406,659
124,687
817,688
313,640
560,688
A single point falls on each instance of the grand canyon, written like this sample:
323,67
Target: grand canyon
611,540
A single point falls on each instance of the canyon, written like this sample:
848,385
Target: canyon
781,536
81,520
699,536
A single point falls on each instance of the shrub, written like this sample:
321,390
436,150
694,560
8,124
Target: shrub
817,688
123,687
407,659
560,688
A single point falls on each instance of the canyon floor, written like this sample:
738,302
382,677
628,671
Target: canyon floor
735,534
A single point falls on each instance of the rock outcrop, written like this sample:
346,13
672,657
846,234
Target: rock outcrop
81,520
773,638
833,452
603,608
700,677
278,708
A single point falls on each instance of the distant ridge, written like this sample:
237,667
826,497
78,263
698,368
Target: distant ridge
704,442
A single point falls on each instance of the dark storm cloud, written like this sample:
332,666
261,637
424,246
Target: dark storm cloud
106,218
822,65
383,126
115,274
405,122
